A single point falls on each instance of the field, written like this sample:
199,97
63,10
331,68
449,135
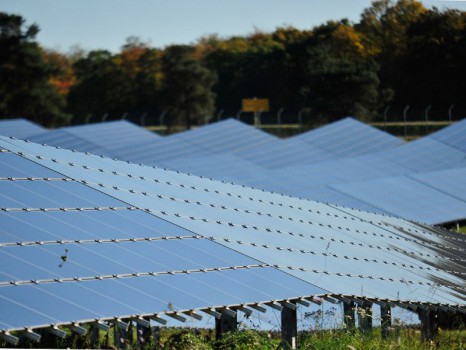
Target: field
406,338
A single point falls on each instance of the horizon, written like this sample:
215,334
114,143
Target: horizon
107,24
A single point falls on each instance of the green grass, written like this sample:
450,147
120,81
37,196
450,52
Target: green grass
407,338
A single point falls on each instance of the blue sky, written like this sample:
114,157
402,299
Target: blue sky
105,24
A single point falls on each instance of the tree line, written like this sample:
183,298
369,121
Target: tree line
398,53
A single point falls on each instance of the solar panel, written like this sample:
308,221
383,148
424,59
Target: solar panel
449,181
281,153
399,195
425,154
349,137
62,138
19,128
452,135
75,254
274,229
226,136
98,138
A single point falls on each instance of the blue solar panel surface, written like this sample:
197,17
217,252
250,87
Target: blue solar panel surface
349,137
120,261
303,166
342,250
225,136
99,138
20,128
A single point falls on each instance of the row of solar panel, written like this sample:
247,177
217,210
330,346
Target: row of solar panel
86,238
421,180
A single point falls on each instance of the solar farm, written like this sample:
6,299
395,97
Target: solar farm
106,225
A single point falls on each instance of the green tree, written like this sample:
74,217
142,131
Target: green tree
100,88
116,84
186,86
142,67
383,27
25,75
341,79
435,63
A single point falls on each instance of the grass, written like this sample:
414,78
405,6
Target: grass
404,338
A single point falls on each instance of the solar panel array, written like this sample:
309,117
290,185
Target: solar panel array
337,163
387,179
90,239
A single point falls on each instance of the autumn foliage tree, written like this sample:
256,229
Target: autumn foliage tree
398,53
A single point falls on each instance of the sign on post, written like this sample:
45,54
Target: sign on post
255,105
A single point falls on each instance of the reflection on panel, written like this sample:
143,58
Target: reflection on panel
105,239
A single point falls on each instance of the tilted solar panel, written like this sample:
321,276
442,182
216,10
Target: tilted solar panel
226,136
349,137
20,128
337,248
452,135
71,253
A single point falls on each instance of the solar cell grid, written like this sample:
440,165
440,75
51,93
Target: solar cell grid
120,277
180,204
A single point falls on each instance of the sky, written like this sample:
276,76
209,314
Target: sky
106,24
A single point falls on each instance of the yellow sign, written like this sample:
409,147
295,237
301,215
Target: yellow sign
256,105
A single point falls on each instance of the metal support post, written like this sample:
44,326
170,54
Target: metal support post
257,119
429,324
386,320
226,323
365,316
95,336
289,328
348,314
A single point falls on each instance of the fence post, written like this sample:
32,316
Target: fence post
300,116
219,114
427,115
143,119
104,117
449,112
279,116
238,114
405,112
385,114
162,117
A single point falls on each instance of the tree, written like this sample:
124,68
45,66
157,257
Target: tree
116,84
101,86
383,29
186,85
435,64
340,79
25,75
